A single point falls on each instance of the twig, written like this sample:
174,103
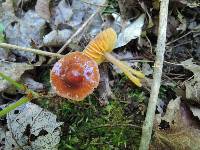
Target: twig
87,22
75,34
36,51
169,43
78,31
99,5
158,65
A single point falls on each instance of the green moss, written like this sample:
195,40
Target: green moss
95,127
112,7
87,125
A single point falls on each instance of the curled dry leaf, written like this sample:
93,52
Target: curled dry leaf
42,9
195,111
31,127
146,69
63,13
13,70
193,85
32,84
132,31
176,129
57,37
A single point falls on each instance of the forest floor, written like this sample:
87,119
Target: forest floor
112,116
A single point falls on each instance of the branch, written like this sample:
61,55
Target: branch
158,65
36,51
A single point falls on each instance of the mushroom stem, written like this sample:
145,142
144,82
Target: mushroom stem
128,71
36,51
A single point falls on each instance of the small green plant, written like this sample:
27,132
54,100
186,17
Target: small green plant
29,95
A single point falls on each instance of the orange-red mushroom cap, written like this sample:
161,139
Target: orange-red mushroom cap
75,76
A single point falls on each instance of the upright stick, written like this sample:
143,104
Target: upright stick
158,65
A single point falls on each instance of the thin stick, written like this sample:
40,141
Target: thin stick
169,43
87,22
36,51
158,65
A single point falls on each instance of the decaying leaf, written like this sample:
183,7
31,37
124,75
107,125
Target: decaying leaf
4,53
22,31
131,32
146,69
183,26
31,127
57,37
13,70
124,56
193,85
113,20
82,11
2,138
42,9
176,130
32,84
63,13
189,3
195,111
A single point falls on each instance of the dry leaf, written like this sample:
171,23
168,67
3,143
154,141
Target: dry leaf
193,85
146,69
131,32
195,111
42,9
32,84
13,70
32,128
22,31
63,13
176,129
57,37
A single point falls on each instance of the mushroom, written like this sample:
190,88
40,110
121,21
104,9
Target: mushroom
99,49
75,76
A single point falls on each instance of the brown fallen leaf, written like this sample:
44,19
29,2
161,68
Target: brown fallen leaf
177,129
42,9
193,85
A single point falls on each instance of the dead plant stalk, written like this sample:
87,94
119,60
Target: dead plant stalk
36,51
158,65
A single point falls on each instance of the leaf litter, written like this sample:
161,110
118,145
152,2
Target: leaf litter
31,127
50,24
176,129
22,31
